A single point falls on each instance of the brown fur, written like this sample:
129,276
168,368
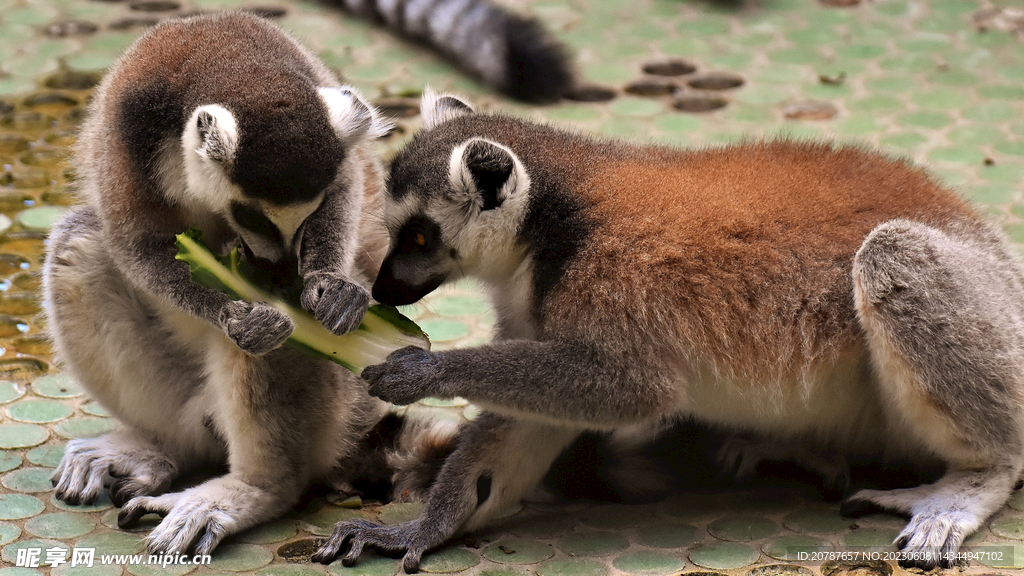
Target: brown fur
738,251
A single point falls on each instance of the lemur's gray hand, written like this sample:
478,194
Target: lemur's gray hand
337,302
256,328
408,375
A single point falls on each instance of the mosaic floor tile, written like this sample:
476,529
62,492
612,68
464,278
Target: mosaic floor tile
816,521
28,480
723,555
1012,558
321,522
56,386
60,525
572,567
22,435
742,528
788,547
277,531
668,535
592,543
84,427
241,557
366,567
156,570
9,461
518,551
8,533
544,526
15,571
113,543
11,391
41,218
1009,525
39,411
872,537
645,563
290,570
94,570
449,560
10,552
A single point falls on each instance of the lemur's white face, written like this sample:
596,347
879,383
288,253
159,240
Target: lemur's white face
463,223
271,231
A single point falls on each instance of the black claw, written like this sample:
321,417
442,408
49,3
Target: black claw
121,492
129,517
919,564
411,565
1018,485
858,508
53,482
71,499
326,553
901,542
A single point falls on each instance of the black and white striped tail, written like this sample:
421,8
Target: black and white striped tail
513,53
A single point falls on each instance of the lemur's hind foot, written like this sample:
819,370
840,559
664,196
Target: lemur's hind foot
943,314
941,514
127,464
497,461
197,519
408,537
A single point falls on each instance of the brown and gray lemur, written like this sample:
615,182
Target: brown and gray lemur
226,124
806,293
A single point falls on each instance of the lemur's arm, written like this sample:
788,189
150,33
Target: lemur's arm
141,234
329,244
565,381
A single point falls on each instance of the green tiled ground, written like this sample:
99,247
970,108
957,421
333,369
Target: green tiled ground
939,81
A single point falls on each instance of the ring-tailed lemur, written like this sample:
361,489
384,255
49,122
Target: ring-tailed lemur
510,52
226,124
793,290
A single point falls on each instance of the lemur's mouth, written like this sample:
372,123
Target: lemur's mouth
279,277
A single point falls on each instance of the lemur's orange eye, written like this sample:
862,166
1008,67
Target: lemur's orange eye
419,239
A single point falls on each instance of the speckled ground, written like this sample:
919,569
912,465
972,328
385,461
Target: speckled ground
939,81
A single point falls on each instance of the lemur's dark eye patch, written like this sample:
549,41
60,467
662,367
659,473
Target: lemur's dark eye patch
419,234
255,221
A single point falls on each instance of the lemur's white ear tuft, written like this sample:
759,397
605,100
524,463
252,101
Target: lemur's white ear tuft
353,120
438,108
213,134
485,173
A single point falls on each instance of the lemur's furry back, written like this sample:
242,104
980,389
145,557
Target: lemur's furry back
756,287
226,124
512,53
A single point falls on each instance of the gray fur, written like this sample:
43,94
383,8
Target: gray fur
193,377
931,369
512,53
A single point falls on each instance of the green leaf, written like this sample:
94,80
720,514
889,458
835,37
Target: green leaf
384,328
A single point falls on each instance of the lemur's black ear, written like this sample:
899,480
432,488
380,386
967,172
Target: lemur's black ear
485,174
490,168
438,108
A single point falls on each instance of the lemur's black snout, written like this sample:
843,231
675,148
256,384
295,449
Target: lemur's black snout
388,289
